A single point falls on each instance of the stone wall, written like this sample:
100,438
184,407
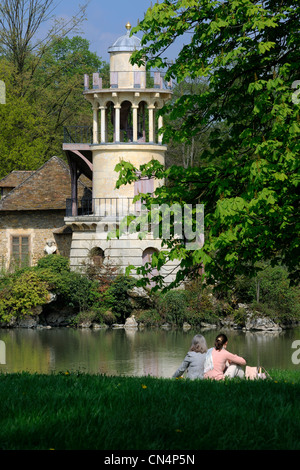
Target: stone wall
120,253
39,226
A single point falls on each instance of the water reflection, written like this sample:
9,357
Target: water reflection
132,352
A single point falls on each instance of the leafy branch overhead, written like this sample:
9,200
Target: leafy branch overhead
246,53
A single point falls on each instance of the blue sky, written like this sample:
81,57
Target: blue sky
106,20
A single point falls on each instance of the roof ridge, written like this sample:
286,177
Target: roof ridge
26,179
15,171
13,192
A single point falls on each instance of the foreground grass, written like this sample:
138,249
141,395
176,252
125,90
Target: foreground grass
75,411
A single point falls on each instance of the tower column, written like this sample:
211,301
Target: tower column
160,124
95,124
103,124
151,123
135,122
117,122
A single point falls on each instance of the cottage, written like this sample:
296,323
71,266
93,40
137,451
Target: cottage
32,211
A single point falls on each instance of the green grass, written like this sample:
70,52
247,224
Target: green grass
78,411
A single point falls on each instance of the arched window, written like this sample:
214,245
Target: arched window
109,122
126,124
143,122
147,258
97,256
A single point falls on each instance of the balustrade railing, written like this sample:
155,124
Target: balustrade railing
76,134
128,79
102,207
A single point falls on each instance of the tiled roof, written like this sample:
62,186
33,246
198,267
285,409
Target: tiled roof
14,178
45,189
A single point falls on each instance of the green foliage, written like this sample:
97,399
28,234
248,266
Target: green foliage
105,316
172,306
79,292
115,297
57,263
248,178
42,98
75,290
84,316
240,316
23,132
149,318
25,289
21,294
270,293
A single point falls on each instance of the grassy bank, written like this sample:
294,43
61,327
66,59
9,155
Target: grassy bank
78,411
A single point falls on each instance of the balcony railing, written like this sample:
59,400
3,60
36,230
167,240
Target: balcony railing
75,134
103,207
128,79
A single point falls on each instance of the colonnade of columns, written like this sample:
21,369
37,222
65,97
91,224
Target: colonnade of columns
100,129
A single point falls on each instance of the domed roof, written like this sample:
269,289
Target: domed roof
126,43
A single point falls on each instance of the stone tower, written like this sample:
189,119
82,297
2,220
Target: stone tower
125,127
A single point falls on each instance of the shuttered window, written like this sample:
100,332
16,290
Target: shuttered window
20,251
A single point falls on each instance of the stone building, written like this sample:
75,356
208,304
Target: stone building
32,211
70,209
125,127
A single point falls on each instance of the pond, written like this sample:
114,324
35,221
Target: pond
154,352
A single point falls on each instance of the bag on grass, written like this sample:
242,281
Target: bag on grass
254,373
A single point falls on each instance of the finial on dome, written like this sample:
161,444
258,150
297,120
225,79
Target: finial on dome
128,26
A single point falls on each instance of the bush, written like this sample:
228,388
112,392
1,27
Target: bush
116,297
83,316
78,292
149,317
56,263
270,293
21,294
25,289
106,317
172,306
240,317
75,290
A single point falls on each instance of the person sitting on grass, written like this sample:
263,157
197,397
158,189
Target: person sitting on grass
193,363
220,363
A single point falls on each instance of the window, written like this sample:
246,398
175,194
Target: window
97,256
20,251
143,185
147,258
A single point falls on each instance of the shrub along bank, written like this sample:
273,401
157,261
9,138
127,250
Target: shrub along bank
101,295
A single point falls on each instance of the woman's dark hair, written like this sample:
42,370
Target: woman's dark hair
220,341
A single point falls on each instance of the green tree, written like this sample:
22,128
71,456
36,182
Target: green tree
20,21
184,149
39,105
44,82
248,53
58,85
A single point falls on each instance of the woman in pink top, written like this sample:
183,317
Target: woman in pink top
221,363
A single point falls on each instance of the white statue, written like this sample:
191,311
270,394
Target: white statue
50,247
